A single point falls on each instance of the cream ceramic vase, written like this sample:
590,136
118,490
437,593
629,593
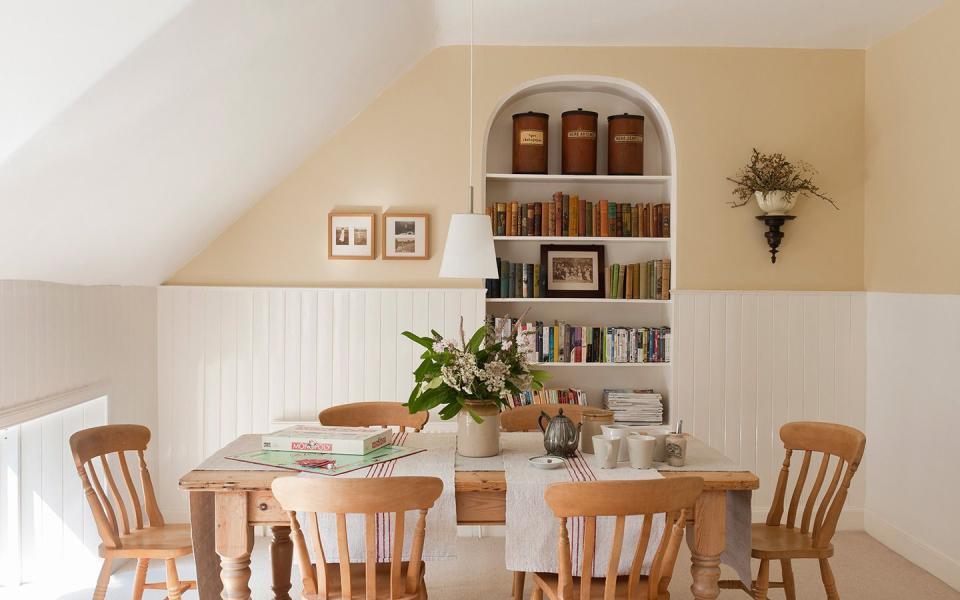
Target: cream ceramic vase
776,202
474,439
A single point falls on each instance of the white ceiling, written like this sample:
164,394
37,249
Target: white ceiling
133,133
755,23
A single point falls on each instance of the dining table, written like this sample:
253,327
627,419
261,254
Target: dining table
229,498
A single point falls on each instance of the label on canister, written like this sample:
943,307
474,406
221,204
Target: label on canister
531,137
581,133
628,138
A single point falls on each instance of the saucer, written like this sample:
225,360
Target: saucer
547,462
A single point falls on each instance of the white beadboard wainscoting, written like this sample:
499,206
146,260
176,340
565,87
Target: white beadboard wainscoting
913,410
232,360
63,344
46,519
745,363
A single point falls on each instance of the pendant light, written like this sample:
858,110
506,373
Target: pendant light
469,251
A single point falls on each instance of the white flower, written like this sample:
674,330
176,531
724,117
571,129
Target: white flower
441,346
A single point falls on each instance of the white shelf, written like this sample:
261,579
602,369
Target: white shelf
576,239
572,300
644,179
595,364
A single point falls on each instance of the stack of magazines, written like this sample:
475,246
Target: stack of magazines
634,407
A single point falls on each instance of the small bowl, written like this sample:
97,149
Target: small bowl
547,462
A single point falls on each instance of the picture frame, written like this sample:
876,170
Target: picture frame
405,236
351,236
573,270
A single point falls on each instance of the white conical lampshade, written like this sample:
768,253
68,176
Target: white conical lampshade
469,250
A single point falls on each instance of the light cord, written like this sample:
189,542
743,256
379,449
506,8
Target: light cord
470,116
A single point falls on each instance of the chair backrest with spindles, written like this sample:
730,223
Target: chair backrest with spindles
98,445
673,497
526,418
834,443
371,414
358,496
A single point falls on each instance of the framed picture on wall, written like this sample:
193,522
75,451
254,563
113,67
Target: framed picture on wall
406,236
351,236
572,270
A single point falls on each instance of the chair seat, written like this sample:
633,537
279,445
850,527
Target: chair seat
778,542
358,582
169,541
548,582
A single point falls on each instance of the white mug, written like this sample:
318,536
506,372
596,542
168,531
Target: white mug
620,432
641,450
660,433
606,449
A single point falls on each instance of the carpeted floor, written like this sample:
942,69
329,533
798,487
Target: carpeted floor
864,568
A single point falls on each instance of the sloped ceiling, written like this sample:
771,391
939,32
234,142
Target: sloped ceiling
132,133
145,167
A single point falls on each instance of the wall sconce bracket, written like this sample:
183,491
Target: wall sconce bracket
773,234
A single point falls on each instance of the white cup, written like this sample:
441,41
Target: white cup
660,433
620,432
606,449
641,450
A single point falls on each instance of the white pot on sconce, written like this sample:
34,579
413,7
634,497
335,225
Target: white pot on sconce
775,202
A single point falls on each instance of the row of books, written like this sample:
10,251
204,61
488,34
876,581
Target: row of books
517,280
568,215
634,407
564,343
648,280
550,396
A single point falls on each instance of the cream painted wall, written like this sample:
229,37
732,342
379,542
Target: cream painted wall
408,151
912,128
912,124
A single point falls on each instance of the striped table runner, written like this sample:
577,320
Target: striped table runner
531,532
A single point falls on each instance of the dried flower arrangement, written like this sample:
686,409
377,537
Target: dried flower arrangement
488,367
773,172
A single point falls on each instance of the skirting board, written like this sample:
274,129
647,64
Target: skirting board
924,556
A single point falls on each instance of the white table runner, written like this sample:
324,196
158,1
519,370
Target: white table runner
532,530
437,461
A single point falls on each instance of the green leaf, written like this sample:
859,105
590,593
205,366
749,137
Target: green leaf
423,341
476,339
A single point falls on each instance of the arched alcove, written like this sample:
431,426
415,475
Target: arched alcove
606,96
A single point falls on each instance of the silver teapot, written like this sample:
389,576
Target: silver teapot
560,435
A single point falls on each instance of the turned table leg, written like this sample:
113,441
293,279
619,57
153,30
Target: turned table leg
709,539
234,542
281,557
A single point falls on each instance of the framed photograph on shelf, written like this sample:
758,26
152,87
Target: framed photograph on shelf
351,236
572,270
406,236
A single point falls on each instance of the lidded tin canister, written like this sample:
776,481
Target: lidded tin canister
625,144
579,147
530,142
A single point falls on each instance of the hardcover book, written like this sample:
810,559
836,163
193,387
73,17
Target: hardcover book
320,438
324,464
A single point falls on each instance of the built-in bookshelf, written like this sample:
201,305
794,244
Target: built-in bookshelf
656,186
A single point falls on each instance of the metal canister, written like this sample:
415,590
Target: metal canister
530,142
625,144
592,419
579,147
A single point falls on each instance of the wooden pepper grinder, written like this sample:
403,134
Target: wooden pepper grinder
677,447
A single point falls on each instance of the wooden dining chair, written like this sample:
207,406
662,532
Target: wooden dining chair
836,446
526,418
156,540
398,579
673,496
369,414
